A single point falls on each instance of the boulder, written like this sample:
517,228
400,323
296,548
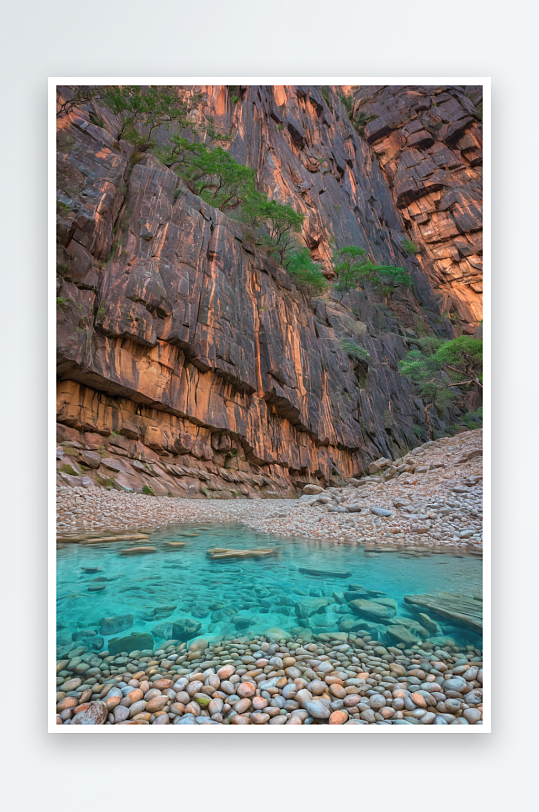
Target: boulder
113,625
379,465
371,610
402,635
312,490
90,458
138,641
325,573
163,630
184,628
307,607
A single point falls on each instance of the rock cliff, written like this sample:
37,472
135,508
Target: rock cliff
188,361
428,141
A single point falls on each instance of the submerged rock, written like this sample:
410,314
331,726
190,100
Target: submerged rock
113,625
133,642
370,609
325,573
184,628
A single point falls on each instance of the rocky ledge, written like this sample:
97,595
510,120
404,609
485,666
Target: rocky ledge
431,496
338,679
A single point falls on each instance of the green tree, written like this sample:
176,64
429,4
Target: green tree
440,367
353,269
138,108
306,273
355,351
409,246
215,176
281,221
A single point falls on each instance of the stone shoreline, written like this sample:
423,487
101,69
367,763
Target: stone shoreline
335,679
437,501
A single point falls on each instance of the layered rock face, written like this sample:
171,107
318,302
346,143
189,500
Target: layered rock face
428,141
184,349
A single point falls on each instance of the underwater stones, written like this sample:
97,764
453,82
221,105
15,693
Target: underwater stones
138,551
103,539
174,545
412,625
461,610
443,641
402,634
455,684
163,630
224,553
330,681
241,620
276,634
199,610
324,573
160,612
94,714
184,628
94,642
370,609
428,623
97,587
113,625
359,591
308,607
133,642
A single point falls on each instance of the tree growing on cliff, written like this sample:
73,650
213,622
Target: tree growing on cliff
139,110
152,107
353,268
441,369
306,273
215,176
281,222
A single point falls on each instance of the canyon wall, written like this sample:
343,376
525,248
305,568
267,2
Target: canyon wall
428,141
189,363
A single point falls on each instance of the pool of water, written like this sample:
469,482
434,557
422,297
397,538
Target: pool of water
246,597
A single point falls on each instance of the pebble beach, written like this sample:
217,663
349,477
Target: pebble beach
338,680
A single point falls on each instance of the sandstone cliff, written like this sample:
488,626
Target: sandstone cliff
187,359
428,141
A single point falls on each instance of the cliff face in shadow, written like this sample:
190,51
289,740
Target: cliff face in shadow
187,355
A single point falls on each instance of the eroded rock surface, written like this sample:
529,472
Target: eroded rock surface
188,357
428,141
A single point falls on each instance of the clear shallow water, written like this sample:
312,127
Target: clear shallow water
244,598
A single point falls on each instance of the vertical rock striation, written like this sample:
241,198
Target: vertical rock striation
428,141
184,350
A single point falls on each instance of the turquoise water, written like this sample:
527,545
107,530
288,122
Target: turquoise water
243,598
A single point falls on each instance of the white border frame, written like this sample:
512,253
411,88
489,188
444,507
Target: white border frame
358,730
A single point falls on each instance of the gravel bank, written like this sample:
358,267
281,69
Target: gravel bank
433,496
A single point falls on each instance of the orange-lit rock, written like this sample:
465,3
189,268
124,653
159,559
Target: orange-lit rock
192,358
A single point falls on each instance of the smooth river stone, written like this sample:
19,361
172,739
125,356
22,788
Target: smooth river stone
94,714
318,709
246,689
338,717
